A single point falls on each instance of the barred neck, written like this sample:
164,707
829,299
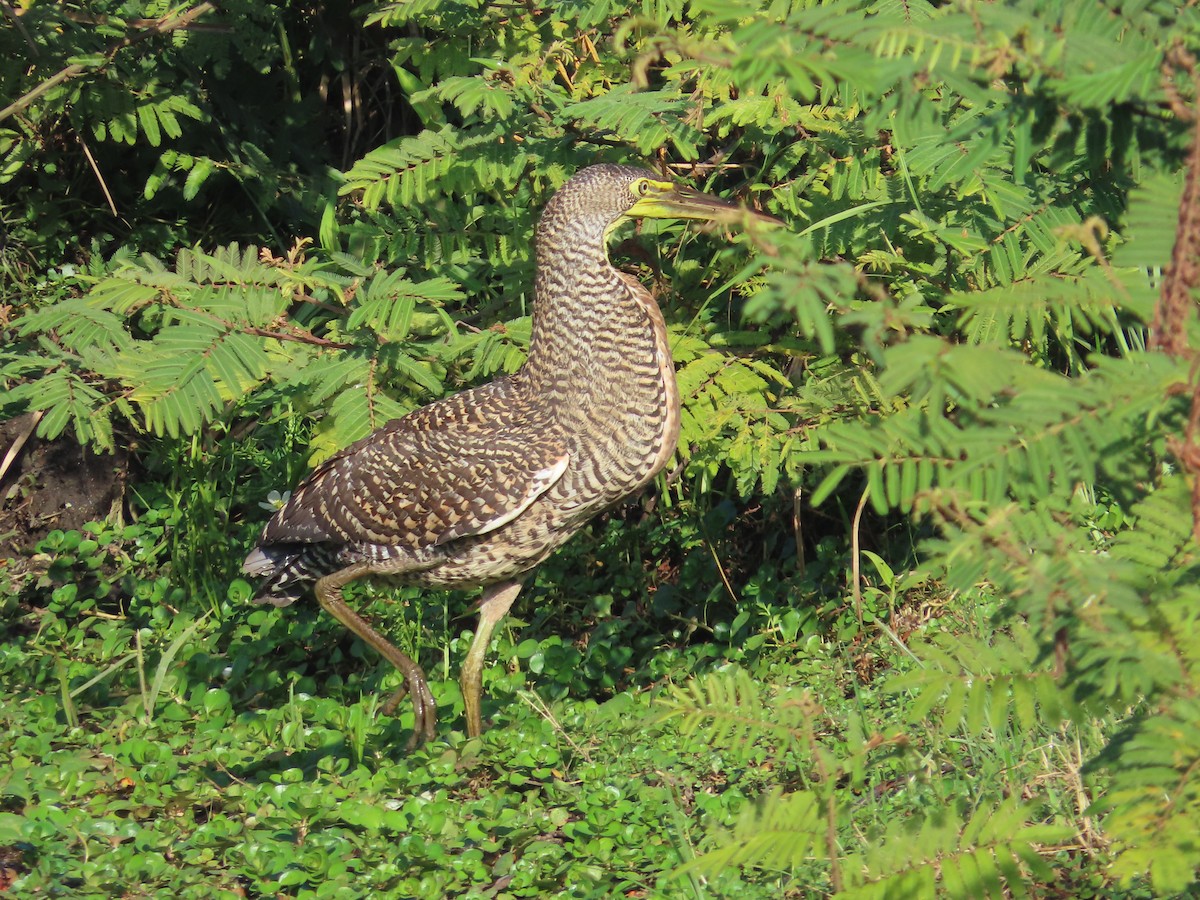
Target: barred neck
580,302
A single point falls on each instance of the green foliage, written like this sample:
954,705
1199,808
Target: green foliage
988,850
926,469
137,122
284,778
188,345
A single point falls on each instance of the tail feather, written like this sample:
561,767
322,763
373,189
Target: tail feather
287,570
259,563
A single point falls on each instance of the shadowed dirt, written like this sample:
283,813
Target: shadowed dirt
53,484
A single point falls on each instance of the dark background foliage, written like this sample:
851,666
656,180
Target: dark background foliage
912,612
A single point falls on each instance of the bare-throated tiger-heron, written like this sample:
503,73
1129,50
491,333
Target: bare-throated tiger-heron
478,488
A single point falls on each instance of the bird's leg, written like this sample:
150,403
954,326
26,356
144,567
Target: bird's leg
329,595
495,603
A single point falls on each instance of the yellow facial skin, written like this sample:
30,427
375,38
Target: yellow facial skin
667,200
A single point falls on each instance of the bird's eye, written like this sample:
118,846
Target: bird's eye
641,187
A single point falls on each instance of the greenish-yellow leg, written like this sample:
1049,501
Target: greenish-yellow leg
329,595
492,608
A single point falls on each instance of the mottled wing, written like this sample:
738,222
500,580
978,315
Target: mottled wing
441,473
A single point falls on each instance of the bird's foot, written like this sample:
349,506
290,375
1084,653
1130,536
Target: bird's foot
389,705
424,708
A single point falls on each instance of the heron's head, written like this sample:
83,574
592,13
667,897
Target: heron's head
597,199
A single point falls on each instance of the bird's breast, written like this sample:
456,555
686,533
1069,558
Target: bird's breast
623,420
607,390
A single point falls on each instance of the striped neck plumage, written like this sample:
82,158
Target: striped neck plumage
578,296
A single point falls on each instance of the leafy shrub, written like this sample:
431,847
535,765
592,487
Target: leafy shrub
953,364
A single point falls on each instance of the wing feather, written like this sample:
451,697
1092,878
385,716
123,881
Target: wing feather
463,466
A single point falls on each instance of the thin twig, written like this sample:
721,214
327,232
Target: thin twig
538,705
12,16
96,171
895,639
721,571
298,337
798,528
856,556
15,448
